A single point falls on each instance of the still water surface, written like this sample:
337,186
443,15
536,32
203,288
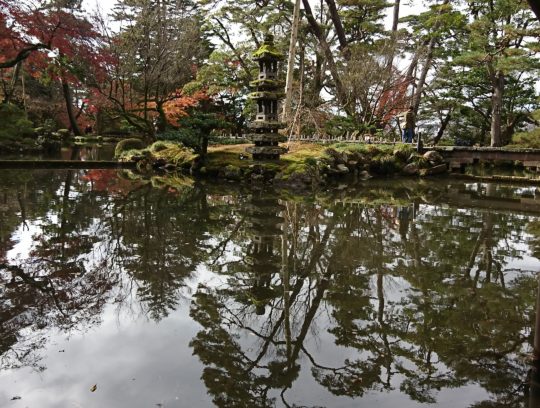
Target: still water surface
398,293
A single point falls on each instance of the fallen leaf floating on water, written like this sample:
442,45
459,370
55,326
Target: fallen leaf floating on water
94,387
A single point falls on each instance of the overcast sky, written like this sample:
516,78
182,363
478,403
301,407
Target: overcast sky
407,7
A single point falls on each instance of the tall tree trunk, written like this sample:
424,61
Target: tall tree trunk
395,18
395,22
340,89
290,63
496,108
66,91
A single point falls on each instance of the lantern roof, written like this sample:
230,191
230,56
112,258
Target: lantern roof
267,51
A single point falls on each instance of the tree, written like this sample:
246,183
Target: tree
158,49
55,41
500,39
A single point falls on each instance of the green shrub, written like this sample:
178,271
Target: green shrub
14,123
128,144
161,145
402,152
384,165
175,153
524,140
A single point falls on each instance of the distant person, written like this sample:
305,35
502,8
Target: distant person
408,126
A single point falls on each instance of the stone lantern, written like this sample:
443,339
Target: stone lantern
268,92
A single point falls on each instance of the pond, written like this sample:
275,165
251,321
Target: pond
117,291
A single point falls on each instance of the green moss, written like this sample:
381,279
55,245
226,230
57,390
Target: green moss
218,159
161,145
403,151
421,161
174,153
385,165
366,149
128,144
267,50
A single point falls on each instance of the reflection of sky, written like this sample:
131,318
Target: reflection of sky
135,363
23,238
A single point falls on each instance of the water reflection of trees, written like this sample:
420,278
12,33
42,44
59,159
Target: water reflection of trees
90,248
424,294
463,315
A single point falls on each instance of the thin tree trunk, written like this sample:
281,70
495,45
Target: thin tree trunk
11,89
290,63
162,118
496,109
286,286
423,76
429,60
338,25
444,125
297,117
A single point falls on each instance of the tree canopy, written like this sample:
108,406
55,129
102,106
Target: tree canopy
469,69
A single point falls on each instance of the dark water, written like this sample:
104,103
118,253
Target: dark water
86,152
398,293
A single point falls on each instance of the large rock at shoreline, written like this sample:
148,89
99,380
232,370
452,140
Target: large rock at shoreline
433,157
342,169
411,169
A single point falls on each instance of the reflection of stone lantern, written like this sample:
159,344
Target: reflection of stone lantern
263,258
265,127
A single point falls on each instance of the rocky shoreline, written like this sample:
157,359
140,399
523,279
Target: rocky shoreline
304,166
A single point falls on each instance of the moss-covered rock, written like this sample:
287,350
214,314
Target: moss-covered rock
63,133
231,172
128,144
